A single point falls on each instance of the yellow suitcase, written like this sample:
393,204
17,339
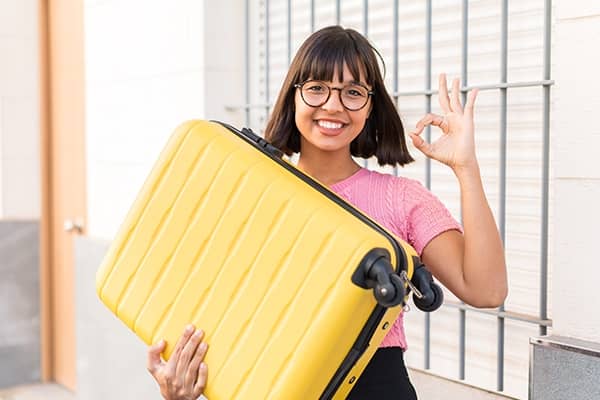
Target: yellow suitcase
273,266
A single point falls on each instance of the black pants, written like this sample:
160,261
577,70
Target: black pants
385,378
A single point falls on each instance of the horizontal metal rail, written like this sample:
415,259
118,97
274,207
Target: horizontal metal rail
480,87
502,314
463,89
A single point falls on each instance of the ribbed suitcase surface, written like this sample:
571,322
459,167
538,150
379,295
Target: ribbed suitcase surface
223,236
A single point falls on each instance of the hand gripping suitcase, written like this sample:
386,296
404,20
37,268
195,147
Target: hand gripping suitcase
274,267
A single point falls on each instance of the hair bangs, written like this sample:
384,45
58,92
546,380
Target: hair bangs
326,59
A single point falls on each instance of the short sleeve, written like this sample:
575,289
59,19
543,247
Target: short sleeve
425,215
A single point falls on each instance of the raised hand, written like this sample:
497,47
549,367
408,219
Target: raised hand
184,376
456,146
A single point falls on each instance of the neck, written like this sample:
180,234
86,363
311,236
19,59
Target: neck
327,168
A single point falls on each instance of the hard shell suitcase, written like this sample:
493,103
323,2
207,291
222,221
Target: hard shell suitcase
274,267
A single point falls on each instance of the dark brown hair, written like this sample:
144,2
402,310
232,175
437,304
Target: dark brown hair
320,56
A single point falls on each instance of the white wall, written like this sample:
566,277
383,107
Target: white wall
575,146
149,67
19,110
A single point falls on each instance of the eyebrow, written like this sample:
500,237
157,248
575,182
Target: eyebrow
349,82
358,83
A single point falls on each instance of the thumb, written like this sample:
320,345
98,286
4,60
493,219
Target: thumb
154,352
420,144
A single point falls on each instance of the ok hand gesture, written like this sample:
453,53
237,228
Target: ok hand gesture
456,146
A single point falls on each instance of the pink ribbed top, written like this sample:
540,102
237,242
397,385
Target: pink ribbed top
405,208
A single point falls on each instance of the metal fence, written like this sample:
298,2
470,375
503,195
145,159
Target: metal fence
502,87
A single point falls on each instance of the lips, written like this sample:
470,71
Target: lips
330,128
329,124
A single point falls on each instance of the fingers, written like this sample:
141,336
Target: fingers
420,144
173,361
186,373
202,377
456,106
154,351
470,105
443,94
189,355
431,119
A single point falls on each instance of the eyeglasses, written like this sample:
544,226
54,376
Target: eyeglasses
353,96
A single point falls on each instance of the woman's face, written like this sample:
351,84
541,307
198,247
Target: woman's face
330,127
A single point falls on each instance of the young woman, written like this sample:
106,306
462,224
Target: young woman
333,105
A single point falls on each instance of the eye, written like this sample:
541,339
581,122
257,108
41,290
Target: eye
355,91
315,87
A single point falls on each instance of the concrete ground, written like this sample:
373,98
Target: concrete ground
429,387
39,391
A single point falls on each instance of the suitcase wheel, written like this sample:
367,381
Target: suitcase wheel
376,272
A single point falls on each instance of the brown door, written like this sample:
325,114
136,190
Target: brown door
63,179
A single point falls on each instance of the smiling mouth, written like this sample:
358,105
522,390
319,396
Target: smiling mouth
330,124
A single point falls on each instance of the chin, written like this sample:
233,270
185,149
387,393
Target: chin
330,147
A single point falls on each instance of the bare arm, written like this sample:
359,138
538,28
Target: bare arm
471,266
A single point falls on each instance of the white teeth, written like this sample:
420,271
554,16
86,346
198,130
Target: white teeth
330,125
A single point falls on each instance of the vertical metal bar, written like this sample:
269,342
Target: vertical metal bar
427,160
338,12
502,189
289,31
395,62
247,61
395,45
545,168
428,86
462,313
312,15
465,47
267,59
366,33
366,17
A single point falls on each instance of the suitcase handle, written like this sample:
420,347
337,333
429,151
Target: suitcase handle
268,147
250,136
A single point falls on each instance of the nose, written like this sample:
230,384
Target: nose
334,102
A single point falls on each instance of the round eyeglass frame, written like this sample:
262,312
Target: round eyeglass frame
369,94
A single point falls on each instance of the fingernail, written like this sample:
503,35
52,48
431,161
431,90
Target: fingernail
189,328
203,346
198,333
202,366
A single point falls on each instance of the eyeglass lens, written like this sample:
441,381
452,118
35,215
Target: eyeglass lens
352,96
